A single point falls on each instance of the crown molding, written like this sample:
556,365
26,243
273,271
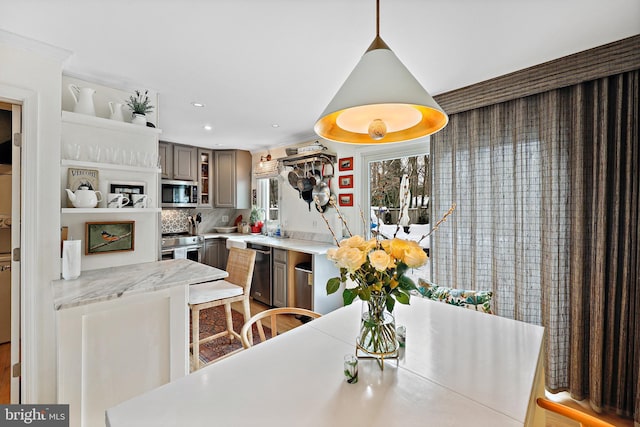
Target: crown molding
44,49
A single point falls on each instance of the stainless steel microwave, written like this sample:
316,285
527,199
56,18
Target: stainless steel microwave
179,194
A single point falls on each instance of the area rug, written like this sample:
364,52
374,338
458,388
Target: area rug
212,321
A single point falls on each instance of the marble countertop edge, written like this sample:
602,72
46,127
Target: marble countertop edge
115,282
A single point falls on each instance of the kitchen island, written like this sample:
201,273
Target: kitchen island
298,251
122,331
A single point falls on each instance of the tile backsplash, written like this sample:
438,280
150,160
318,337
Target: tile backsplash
176,220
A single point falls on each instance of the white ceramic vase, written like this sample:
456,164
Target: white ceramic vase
139,119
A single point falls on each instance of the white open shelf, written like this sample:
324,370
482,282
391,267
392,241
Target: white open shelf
112,166
100,122
109,210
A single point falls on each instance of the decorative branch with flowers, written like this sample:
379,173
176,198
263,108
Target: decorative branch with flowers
377,267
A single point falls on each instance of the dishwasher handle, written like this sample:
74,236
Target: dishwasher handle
261,251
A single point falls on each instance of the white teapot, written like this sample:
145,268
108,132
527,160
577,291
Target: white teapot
84,198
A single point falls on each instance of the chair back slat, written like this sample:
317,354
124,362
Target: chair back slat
272,313
240,266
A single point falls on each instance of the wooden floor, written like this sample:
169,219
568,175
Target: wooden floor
5,378
289,322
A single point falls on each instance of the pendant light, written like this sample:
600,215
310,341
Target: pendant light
380,102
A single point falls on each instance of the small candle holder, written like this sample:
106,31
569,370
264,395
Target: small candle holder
401,336
351,368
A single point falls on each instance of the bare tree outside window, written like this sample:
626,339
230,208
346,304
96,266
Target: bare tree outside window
385,179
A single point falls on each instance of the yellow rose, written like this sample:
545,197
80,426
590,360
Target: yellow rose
331,253
414,256
380,260
353,242
397,247
350,258
369,244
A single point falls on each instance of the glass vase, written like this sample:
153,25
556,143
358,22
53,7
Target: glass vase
377,335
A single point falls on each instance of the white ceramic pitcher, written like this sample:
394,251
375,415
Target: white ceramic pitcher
116,111
84,99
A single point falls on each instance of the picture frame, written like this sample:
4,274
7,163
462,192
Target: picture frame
109,236
128,188
345,181
345,199
345,164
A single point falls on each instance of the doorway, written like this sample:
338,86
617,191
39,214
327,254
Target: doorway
10,124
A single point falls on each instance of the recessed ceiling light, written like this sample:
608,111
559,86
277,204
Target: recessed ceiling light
275,125
208,127
197,104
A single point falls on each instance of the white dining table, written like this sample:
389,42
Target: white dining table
459,367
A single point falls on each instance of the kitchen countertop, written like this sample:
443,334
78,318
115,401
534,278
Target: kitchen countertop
114,282
299,245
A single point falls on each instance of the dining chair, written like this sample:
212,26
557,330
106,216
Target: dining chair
474,300
583,418
234,288
273,313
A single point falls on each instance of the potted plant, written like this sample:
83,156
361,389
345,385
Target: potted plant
140,105
255,220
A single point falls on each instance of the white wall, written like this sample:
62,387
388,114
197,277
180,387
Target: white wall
32,73
294,212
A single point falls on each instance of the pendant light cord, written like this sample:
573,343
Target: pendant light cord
378,43
377,18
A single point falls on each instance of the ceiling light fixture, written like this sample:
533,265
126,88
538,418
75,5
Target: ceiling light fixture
266,158
208,127
197,104
380,102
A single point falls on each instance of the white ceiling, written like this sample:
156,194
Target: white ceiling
257,62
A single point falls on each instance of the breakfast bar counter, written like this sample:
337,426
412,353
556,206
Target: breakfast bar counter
122,331
114,282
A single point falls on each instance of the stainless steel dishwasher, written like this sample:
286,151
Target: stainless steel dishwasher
261,283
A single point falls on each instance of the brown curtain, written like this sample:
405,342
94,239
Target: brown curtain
548,217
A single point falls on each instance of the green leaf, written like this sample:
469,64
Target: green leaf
401,268
348,296
402,297
406,284
333,285
390,303
365,294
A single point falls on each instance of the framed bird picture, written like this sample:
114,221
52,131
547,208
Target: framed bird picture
114,236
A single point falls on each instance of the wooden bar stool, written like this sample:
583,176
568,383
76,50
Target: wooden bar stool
234,288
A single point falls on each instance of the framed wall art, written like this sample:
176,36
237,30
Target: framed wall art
128,189
345,181
345,164
345,199
109,236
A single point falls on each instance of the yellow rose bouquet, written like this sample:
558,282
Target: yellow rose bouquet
377,268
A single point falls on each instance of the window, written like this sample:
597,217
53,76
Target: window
268,199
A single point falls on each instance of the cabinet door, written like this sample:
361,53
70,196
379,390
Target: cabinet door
225,183
211,252
205,183
165,151
279,280
185,163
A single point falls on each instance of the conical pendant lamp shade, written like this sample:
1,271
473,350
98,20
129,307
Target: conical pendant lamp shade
380,102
